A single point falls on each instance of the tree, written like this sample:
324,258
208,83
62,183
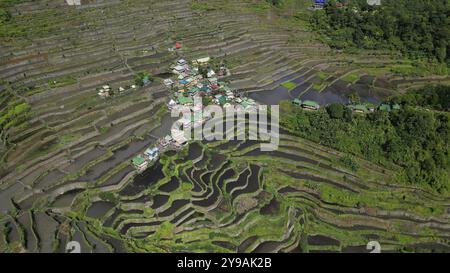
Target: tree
336,110
203,71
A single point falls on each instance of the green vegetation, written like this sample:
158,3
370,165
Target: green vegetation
142,78
109,196
289,85
220,196
14,113
67,80
201,5
6,26
417,28
350,162
68,138
412,137
434,97
322,76
352,77
339,111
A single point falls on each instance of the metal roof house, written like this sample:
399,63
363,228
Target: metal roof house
358,108
311,105
73,2
181,62
184,100
385,107
396,106
139,163
203,60
179,138
151,153
223,100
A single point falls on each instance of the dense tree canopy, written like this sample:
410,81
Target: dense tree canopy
414,138
416,27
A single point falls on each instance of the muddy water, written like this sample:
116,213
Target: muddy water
337,93
170,186
149,177
66,199
45,227
163,130
120,155
99,209
125,153
271,97
6,196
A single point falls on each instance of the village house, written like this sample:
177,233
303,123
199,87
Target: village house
310,105
179,138
178,69
297,102
202,61
211,73
185,100
151,153
181,62
139,163
105,91
168,83
358,108
164,142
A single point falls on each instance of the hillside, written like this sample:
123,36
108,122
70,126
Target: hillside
65,166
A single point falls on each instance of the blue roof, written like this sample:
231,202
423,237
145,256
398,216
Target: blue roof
151,151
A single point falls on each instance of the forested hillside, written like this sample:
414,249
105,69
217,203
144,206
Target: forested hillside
418,28
416,138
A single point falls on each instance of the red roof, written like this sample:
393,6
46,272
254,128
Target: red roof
177,45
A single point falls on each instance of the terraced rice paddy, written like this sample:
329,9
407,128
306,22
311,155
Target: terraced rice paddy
67,173
244,200
297,199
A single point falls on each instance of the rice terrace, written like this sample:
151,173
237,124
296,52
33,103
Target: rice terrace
89,154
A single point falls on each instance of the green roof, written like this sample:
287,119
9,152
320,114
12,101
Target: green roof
184,100
222,100
194,90
297,101
385,107
310,103
138,160
396,107
360,107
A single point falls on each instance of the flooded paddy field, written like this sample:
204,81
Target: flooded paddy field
226,193
236,194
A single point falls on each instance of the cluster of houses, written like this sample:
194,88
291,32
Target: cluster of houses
142,161
106,91
174,141
200,79
356,108
195,79
362,108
